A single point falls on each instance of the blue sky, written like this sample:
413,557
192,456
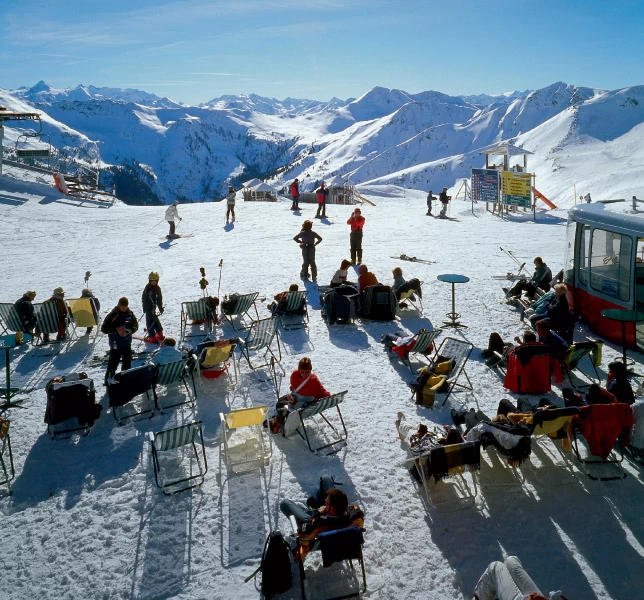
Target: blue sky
196,50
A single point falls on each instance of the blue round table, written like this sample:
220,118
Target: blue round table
623,316
7,342
453,317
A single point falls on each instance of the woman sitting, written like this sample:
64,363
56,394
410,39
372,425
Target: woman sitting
617,382
278,306
401,285
340,276
402,344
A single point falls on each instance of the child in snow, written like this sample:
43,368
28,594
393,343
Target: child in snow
152,300
340,276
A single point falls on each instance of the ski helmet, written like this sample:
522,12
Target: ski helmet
153,276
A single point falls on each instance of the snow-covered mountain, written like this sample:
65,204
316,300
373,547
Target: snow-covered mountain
426,140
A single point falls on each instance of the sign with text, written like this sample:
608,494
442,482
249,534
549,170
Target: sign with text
515,189
485,185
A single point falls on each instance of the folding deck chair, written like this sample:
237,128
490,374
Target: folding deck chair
10,318
412,298
214,361
176,459
47,320
576,353
260,338
423,346
234,309
174,372
602,426
197,311
6,456
527,369
294,313
379,303
82,313
448,464
336,546
71,405
457,351
318,407
554,424
125,386
341,304
243,438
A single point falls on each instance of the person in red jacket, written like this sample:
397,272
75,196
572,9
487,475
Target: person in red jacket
295,194
365,278
321,193
356,220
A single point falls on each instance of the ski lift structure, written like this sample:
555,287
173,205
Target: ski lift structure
12,115
34,145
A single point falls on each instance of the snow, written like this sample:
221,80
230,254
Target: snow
86,520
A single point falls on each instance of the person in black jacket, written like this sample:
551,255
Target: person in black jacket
541,279
119,325
25,310
152,300
557,314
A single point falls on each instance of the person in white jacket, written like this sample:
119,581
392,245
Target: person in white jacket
171,214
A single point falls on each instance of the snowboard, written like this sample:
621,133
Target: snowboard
414,259
176,236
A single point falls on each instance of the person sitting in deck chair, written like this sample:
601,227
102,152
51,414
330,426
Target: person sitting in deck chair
401,343
508,580
617,382
496,346
94,303
305,389
278,306
541,279
25,309
365,278
557,313
167,352
401,285
63,312
341,275
422,439
327,511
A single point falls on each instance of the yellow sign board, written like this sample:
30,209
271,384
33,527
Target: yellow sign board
516,188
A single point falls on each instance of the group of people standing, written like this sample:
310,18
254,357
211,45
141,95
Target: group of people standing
444,200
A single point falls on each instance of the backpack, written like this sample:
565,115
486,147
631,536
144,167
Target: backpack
276,565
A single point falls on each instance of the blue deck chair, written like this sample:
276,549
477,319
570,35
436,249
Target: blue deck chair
199,311
174,476
126,386
319,407
175,372
7,472
259,342
238,305
10,318
293,312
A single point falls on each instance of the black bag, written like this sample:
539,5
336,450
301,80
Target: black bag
276,565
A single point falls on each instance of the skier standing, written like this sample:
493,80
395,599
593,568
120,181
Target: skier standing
356,220
308,240
430,199
322,192
152,300
295,194
171,214
230,203
444,198
119,325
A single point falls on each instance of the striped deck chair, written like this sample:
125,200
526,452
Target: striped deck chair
448,465
554,424
47,319
293,313
10,319
243,439
7,471
412,298
199,311
259,342
189,471
234,310
82,313
214,361
128,385
458,351
423,346
318,407
173,372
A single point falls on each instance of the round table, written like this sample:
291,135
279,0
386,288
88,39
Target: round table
453,317
7,342
623,316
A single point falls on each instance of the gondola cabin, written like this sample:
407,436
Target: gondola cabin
604,268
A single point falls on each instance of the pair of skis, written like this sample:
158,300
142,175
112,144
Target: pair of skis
414,259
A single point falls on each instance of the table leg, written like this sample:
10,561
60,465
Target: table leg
8,392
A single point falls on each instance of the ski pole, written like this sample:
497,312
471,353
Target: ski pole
154,226
221,264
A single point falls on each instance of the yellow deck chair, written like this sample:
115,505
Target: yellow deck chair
243,440
83,313
216,360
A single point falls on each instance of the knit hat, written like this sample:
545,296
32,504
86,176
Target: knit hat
58,291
